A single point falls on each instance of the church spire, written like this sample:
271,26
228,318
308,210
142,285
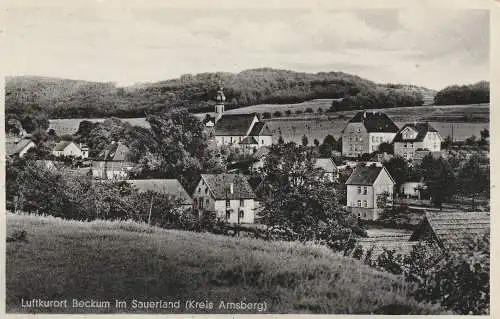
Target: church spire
220,100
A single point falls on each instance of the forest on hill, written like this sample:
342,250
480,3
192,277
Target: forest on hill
464,94
64,98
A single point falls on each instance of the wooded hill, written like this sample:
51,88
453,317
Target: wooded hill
64,98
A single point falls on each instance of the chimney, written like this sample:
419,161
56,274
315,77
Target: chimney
231,188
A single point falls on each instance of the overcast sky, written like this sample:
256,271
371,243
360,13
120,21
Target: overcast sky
128,44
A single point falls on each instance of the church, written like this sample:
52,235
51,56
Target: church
243,131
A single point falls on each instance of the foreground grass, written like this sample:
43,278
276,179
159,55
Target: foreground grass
125,260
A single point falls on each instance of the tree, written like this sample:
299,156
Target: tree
439,179
399,170
280,140
305,140
485,134
277,114
266,115
316,142
447,142
474,178
386,148
297,199
288,112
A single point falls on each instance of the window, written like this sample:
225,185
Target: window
207,202
242,202
405,155
199,189
365,203
411,144
359,203
373,138
262,141
241,214
359,189
405,145
201,202
364,190
228,215
206,190
359,130
228,203
364,215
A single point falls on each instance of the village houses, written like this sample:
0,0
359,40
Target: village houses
416,136
366,188
70,148
365,132
113,162
229,196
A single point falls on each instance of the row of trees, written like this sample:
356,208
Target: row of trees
34,188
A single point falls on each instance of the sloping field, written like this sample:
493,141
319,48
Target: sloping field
106,261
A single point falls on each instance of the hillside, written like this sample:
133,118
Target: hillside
63,98
124,260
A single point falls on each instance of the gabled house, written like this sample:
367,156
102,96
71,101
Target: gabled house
327,164
416,136
169,187
229,196
70,148
18,147
452,230
112,163
365,132
367,188
262,134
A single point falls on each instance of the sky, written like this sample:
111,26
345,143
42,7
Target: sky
134,42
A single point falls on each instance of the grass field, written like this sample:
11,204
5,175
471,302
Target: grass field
123,260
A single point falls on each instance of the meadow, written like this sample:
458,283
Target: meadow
108,260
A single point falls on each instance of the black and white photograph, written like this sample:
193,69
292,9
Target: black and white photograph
238,157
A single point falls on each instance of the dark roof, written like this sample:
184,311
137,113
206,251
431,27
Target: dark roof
114,152
170,187
62,145
453,229
234,124
421,128
375,122
365,175
15,148
249,140
260,129
219,186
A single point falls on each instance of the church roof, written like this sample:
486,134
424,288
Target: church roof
260,129
234,124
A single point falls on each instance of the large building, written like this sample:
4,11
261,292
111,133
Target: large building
229,196
366,188
365,132
243,131
416,136
70,148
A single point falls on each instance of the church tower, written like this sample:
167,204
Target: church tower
219,105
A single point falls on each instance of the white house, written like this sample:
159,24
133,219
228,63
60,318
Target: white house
416,136
230,196
365,187
365,132
70,148
112,163
329,167
18,147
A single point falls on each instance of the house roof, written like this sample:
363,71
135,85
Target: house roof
62,145
16,148
260,129
326,164
219,186
170,187
365,175
114,152
249,140
421,129
234,124
453,229
375,122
